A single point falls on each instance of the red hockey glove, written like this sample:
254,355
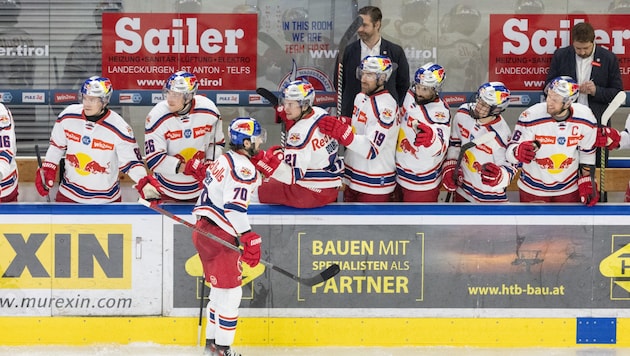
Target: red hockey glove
627,198
491,174
275,151
149,188
526,151
251,248
49,171
607,137
450,179
266,162
337,129
588,191
425,135
196,166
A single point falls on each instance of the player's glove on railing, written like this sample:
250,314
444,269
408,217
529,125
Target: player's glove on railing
450,178
491,174
149,188
196,166
49,171
588,191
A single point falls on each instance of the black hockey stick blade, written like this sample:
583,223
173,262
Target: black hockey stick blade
351,31
267,94
327,274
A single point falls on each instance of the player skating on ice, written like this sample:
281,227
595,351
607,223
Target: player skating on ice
228,185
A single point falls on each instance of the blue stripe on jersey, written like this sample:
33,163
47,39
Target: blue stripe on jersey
6,156
158,122
235,207
429,176
131,165
556,187
177,187
155,160
485,197
234,173
10,180
377,112
372,181
83,193
69,116
203,110
125,136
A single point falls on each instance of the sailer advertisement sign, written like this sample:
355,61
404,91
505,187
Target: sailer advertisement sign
141,50
521,46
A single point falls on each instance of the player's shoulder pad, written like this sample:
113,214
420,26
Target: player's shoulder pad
243,169
583,112
204,102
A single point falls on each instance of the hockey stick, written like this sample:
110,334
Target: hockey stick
617,101
485,138
351,31
203,287
273,99
41,173
327,274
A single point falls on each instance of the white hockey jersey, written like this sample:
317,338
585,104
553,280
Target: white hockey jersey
370,158
464,129
228,186
564,146
94,154
8,150
419,168
310,157
167,135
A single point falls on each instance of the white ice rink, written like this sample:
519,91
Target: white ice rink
160,350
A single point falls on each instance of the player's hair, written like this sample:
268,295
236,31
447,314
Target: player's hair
583,32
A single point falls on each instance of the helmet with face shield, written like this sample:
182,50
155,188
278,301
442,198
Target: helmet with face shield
430,75
494,94
182,82
98,87
566,87
246,128
382,66
299,90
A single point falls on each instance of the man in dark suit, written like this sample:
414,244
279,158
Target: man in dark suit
371,43
595,68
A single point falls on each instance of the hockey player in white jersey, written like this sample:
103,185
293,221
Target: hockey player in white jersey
306,172
555,143
183,129
425,127
221,210
483,173
8,150
97,144
370,136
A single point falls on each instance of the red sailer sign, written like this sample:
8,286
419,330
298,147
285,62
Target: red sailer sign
521,46
140,51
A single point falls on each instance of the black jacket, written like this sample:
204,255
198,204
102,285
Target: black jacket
398,83
606,75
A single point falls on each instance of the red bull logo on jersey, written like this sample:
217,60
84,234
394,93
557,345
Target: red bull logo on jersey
555,163
84,164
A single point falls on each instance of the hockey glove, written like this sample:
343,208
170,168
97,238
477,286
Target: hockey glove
425,135
251,248
149,188
491,174
607,137
525,151
588,191
48,171
450,178
338,129
627,198
196,166
266,162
